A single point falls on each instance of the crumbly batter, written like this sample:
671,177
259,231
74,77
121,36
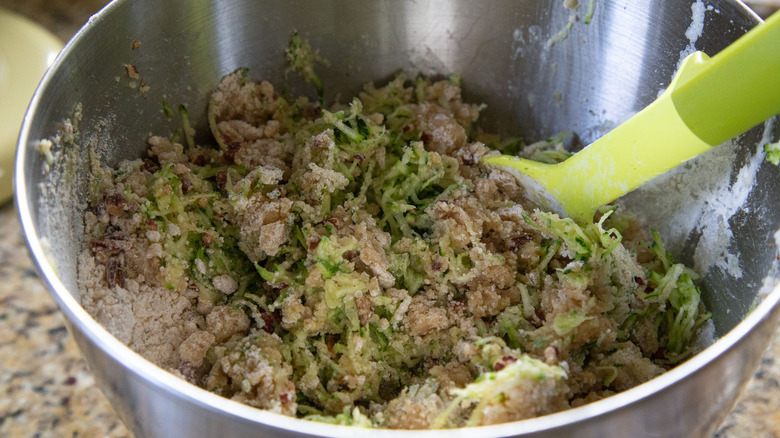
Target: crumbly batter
361,265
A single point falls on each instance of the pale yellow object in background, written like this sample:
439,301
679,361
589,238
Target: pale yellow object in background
26,51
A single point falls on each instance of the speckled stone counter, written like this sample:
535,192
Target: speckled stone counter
45,388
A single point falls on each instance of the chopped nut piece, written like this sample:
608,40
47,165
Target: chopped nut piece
132,71
114,274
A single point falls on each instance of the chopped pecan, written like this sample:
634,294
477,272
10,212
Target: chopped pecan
115,204
132,71
271,320
221,179
189,372
151,164
330,341
186,186
364,309
230,154
333,221
517,242
114,274
111,242
503,362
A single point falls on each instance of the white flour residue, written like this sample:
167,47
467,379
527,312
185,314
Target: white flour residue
697,22
701,201
694,30
726,206
713,248
426,62
681,198
520,41
729,205
772,277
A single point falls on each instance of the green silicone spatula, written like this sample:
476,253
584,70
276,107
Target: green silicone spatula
709,101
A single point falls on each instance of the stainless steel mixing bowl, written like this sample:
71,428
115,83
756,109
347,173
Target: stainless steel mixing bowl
724,222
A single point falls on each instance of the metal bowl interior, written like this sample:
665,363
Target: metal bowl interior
717,212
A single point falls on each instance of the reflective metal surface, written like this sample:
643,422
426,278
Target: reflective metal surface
586,84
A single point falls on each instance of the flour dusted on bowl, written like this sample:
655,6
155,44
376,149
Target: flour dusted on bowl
361,265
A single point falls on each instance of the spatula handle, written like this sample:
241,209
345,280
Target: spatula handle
737,89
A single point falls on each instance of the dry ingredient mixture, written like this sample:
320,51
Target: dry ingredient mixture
361,265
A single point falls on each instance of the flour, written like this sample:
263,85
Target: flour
697,22
701,198
772,278
711,195
694,30
706,199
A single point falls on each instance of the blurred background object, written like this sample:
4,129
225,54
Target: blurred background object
764,8
61,17
26,51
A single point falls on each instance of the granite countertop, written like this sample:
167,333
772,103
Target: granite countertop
45,388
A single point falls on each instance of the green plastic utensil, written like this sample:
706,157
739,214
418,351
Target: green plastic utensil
709,101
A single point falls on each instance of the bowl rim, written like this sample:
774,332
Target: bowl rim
179,388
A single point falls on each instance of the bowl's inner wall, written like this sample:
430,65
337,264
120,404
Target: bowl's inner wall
596,78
